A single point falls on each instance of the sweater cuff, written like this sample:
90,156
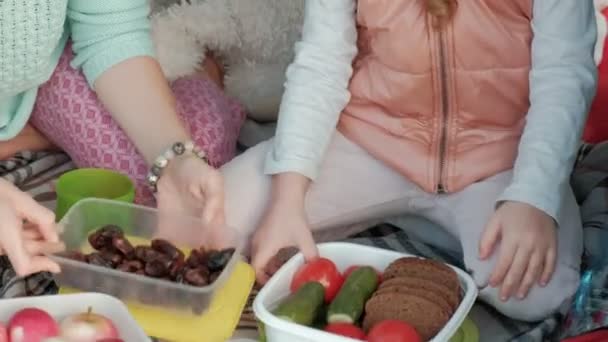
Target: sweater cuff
117,52
543,201
301,166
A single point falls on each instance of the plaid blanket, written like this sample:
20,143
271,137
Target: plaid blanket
589,180
26,165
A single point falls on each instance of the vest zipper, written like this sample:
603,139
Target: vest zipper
441,188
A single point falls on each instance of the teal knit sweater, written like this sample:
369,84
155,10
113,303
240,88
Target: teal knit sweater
33,34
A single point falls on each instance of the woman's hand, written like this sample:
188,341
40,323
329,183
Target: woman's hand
27,248
528,248
283,225
191,185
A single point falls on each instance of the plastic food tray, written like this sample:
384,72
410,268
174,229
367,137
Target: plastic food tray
61,306
140,224
344,255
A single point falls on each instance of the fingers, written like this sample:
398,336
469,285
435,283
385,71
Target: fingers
34,213
213,211
489,239
261,256
38,247
41,264
507,254
307,246
533,273
12,242
549,265
516,272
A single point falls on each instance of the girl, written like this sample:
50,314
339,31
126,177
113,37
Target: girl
466,112
118,112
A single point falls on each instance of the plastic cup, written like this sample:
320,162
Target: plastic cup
91,183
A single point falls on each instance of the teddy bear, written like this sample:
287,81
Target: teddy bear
253,39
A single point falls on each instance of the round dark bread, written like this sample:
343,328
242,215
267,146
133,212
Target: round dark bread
427,317
449,295
428,269
420,292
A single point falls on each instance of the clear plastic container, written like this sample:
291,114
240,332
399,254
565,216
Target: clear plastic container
140,225
343,255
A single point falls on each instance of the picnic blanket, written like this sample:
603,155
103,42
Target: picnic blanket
590,181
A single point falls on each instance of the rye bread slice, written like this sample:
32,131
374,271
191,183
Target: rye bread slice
420,292
425,316
449,295
425,269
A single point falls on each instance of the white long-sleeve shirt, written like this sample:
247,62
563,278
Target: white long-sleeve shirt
562,85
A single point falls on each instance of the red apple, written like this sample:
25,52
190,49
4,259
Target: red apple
3,333
32,325
88,326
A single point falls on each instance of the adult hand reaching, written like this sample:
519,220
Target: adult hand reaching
191,186
28,232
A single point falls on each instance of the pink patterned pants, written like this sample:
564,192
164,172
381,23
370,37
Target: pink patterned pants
68,112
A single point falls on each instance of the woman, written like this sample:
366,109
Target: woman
466,112
117,112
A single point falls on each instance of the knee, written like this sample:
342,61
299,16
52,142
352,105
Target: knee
541,302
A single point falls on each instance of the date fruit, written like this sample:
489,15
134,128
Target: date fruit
165,247
156,268
131,266
196,258
146,253
95,258
217,260
112,257
160,259
123,246
196,276
176,268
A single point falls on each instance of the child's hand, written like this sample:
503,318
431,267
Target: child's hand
528,248
27,247
284,225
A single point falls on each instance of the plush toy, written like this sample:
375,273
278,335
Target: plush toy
596,129
254,39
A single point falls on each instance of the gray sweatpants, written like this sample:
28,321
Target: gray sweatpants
353,187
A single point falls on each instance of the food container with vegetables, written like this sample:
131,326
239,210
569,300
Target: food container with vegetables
66,318
355,292
173,272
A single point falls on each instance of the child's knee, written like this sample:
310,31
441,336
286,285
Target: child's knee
541,302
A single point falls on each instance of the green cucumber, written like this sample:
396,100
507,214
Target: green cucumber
320,321
348,305
303,306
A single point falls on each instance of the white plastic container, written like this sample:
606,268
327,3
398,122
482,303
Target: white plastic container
62,306
343,255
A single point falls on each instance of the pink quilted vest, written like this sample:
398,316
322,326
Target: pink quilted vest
446,108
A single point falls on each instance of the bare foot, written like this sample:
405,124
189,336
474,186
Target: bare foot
29,139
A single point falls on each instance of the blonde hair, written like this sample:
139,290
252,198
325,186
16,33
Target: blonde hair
442,10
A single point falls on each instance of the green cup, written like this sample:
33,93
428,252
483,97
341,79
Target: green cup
79,184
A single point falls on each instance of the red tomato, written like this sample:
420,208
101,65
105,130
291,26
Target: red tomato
346,330
350,270
393,331
323,271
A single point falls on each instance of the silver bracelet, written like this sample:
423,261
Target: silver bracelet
163,160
